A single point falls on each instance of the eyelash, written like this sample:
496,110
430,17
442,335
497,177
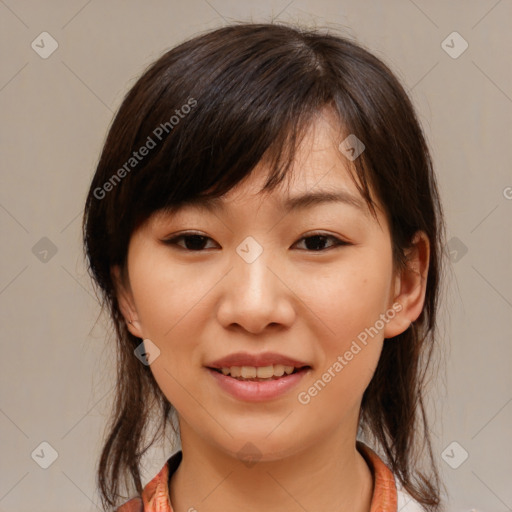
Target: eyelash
173,241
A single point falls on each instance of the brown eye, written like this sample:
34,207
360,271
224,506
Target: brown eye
316,243
192,242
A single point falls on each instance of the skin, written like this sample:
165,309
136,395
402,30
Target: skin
293,299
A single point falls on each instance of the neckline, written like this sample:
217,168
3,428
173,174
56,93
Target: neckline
156,494
384,496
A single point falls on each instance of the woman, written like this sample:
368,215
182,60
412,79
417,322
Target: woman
265,227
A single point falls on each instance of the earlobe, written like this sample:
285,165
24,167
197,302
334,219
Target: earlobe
125,301
410,286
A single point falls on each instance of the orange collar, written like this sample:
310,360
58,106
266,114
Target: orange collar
385,498
155,496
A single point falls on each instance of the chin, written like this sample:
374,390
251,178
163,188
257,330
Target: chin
258,449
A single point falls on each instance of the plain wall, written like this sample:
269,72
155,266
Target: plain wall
56,369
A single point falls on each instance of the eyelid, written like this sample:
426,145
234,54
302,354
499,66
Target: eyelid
171,240
338,240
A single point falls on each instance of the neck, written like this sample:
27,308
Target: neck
329,475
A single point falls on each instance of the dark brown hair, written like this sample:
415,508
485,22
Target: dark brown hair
208,111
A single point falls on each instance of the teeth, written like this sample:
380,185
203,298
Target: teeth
279,370
261,372
235,371
264,372
248,372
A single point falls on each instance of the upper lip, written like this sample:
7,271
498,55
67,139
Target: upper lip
257,360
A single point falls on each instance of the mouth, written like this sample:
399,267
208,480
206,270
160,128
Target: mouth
257,377
258,383
259,373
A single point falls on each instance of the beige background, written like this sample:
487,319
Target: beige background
56,372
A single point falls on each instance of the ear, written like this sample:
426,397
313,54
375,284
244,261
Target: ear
125,301
410,286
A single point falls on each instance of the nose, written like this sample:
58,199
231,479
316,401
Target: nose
256,296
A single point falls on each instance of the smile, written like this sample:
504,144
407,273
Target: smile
257,384
257,373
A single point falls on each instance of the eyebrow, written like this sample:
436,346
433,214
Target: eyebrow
309,199
299,202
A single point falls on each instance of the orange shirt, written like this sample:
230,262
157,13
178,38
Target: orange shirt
155,496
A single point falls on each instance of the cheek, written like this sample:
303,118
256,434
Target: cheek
169,300
348,342
163,295
165,305
348,298
351,338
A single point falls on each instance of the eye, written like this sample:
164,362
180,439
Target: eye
195,242
317,242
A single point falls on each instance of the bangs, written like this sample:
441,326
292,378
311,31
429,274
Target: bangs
212,112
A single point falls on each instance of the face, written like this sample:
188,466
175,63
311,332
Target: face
313,286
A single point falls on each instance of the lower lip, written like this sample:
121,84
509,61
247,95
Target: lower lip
258,391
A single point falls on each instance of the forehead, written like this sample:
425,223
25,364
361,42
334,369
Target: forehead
320,174
313,190
294,201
